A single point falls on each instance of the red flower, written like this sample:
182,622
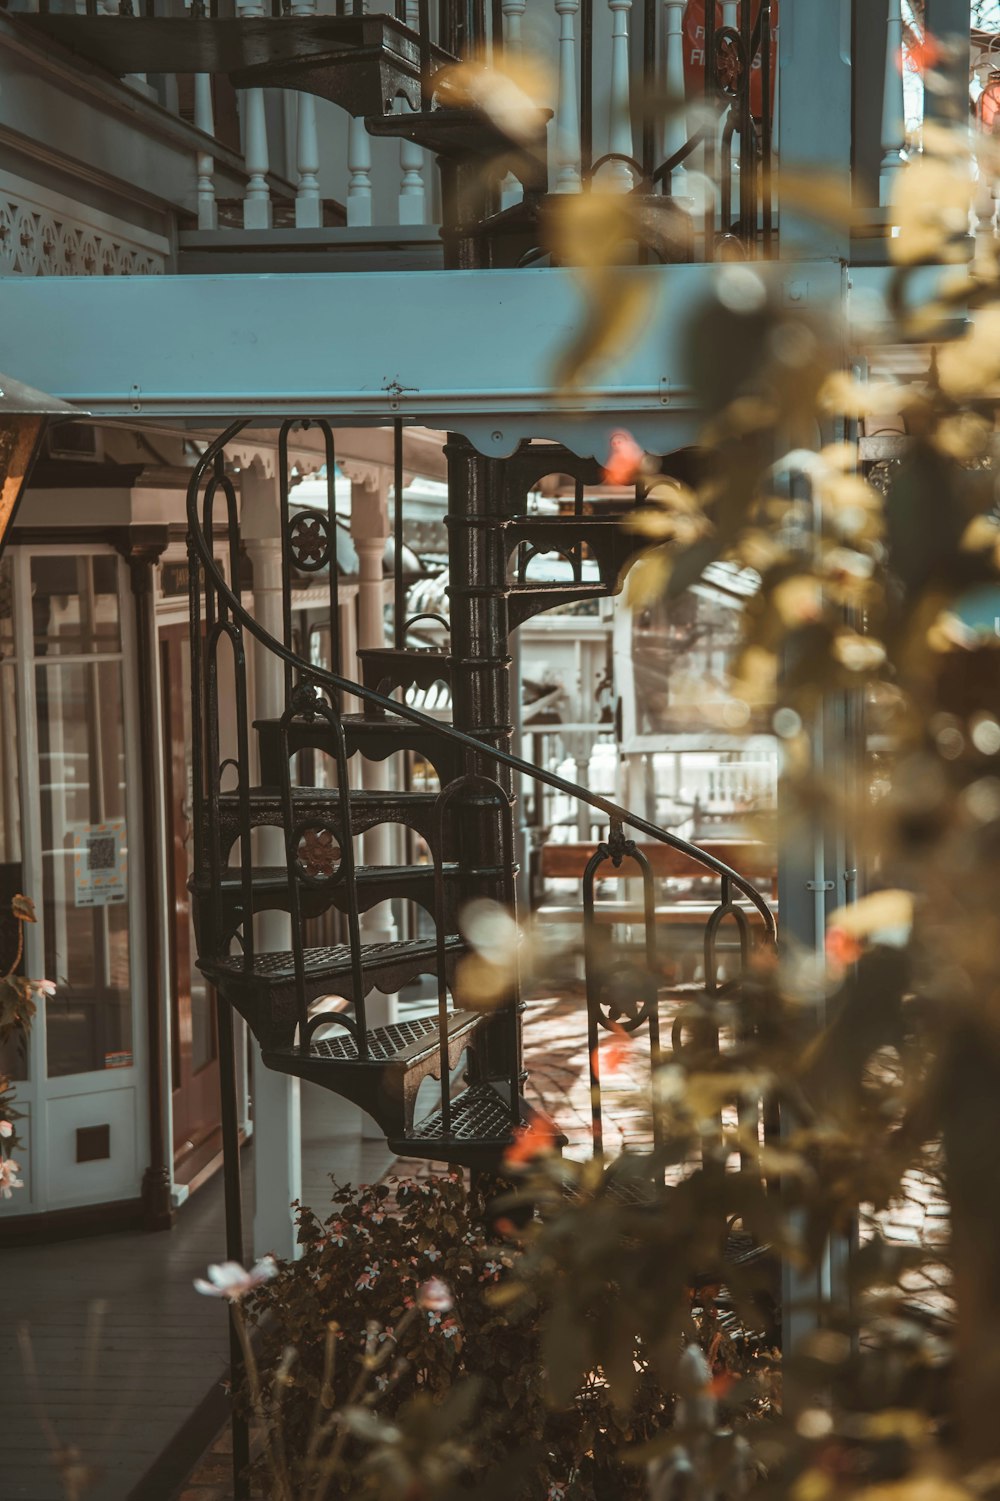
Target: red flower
923,53
624,462
611,1056
842,948
529,1142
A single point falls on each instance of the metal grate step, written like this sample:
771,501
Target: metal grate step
331,962
478,1115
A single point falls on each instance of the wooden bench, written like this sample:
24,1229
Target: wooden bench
751,858
686,918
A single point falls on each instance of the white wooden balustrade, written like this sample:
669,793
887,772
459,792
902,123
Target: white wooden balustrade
257,202
675,130
308,204
617,173
566,131
893,117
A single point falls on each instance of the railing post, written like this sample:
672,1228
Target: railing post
675,126
511,191
412,197
893,117
567,121
277,1121
204,119
731,14
257,203
359,167
618,174
308,204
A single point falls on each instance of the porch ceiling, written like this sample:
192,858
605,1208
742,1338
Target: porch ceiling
473,352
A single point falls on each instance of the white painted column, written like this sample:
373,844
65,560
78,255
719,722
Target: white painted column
675,130
566,126
257,202
308,205
618,175
369,529
511,191
731,14
359,169
277,1150
893,116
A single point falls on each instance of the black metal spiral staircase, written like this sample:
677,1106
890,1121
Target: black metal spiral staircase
291,995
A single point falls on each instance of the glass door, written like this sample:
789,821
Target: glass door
74,677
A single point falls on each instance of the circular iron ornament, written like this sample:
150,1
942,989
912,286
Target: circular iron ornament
309,541
318,854
730,64
621,1005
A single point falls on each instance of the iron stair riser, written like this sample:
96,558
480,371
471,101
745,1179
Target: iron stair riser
385,1089
271,892
375,739
319,808
270,1007
387,669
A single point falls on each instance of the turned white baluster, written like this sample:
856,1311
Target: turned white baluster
731,14
893,117
675,132
412,196
257,201
204,119
359,174
567,121
511,191
618,175
308,204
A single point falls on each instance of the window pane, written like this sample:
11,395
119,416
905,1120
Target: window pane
75,605
84,865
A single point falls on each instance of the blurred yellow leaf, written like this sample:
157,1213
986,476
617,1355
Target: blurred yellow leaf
798,599
504,91
647,579
882,910
982,533
842,456
858,653
932,201
817,196
968,366
964,436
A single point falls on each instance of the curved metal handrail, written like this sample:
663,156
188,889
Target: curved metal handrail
343,685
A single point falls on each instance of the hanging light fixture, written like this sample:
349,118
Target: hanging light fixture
24,415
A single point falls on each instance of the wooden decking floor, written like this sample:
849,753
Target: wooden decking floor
160,1350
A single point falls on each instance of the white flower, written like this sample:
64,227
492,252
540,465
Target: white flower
9,1179
435,1296
43,987
6,1128
230,1280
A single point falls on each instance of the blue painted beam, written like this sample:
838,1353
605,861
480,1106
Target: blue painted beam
471,351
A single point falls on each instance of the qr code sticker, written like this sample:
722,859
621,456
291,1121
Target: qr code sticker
101,852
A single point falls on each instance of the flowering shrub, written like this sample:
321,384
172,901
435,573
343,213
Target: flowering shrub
17,1009
410,1271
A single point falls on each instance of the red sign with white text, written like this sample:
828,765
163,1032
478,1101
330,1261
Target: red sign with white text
694,51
